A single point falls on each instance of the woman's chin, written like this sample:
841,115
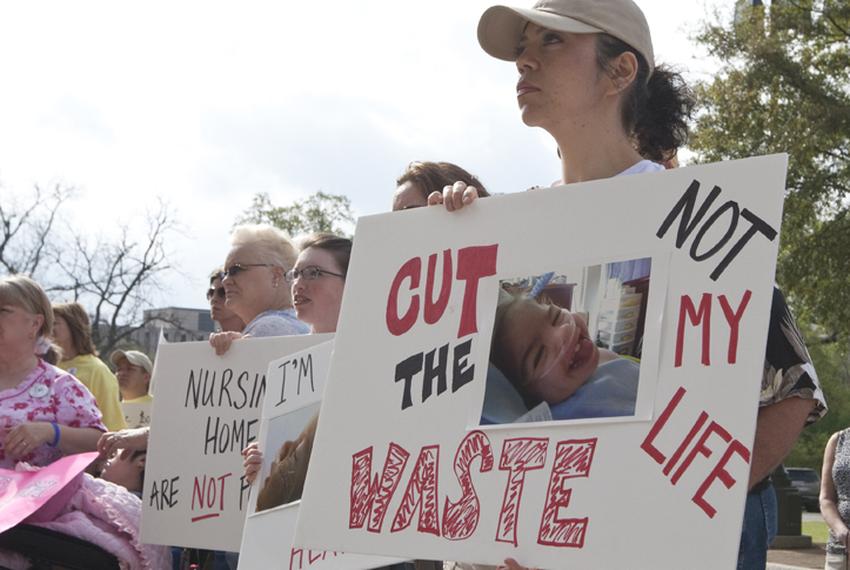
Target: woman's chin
303,316
531,116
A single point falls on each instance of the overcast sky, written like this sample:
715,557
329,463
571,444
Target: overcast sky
206,104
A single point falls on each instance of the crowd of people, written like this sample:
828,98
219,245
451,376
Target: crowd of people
587,75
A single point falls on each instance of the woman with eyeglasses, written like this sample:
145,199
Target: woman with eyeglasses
255,287
317,282
318,278
227,320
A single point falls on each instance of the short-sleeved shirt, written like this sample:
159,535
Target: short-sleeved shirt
47,394
101,382
788,368
276,322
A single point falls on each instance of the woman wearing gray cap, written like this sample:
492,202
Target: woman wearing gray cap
587,75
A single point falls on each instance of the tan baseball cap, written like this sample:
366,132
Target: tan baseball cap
500,27
134,357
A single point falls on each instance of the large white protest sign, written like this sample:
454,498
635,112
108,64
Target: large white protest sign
294,391
206,410
675,269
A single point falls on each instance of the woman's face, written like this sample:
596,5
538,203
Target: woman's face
559,78
216,296
317,301
62,335
18,330
256,287
407,196
546,349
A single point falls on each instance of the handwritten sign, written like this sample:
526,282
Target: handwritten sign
294,391
23,493
207,409
408,460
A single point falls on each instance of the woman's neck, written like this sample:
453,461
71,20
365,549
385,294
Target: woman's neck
68,353
233,323
280,304
591,152
15,368
321,328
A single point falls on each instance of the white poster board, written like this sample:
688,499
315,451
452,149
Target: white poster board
402,467
294,392
206,409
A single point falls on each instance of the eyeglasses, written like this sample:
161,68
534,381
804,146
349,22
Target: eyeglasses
215,292
238,268
309,274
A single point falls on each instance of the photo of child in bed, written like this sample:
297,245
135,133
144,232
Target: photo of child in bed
288,470
548,356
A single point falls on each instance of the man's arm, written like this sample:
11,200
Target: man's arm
777,429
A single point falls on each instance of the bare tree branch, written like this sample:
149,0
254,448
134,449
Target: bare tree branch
27,231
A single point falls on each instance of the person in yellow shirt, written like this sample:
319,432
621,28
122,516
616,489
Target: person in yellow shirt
72,332
134,369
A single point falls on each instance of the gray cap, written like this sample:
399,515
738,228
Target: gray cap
500,27
134,357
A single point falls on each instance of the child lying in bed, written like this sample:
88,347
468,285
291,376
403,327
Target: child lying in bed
547,354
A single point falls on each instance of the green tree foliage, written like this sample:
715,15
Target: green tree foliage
784,86
319,212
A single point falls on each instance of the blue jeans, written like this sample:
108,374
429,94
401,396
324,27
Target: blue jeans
759,529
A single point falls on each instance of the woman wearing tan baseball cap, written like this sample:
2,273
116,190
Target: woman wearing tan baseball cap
587,75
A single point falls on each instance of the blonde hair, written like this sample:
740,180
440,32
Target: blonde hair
273,245
23,292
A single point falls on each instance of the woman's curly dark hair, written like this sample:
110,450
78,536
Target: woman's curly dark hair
657,109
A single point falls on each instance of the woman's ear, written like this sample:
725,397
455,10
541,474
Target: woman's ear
38,322
622,70
278,274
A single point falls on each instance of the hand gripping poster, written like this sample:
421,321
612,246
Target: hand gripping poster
287,427
569,377
206,411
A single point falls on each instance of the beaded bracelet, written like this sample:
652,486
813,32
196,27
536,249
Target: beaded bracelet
56,435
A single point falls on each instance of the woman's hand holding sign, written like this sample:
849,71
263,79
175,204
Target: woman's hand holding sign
253,461
221,341
454,197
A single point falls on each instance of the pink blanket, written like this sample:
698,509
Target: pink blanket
109,516
99,512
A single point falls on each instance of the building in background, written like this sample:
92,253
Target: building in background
177,324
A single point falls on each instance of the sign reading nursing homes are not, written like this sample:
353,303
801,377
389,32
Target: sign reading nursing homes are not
206,410
569,377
